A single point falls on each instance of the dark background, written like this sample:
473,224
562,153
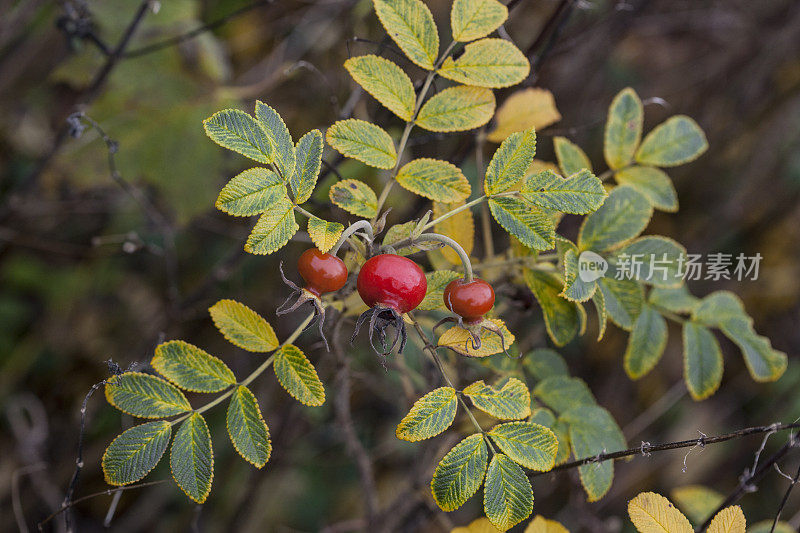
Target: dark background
93,269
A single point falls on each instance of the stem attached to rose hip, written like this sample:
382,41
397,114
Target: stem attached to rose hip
360,225
462,254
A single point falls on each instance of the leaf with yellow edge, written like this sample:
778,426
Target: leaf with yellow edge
460,473
623,128
479,525
729,520
531,445
273,229
571,158
540,524
525,109
410,24
191,458
473,19
324,234
298,376
429,416
364,141
354,197
653,513
459,340
246,427
435,179
507,494
492,63
510,402
386,82
675,141
510,162
459,227
243,327
459,108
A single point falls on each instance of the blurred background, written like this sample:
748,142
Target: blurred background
99,264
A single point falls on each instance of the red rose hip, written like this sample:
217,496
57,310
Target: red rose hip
469,300
322,272
392,281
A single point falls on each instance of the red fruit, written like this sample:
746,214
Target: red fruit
322,272
392,281
469,300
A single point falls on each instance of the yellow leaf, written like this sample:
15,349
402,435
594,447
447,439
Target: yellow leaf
526,108
481,525
459,227
653,513
324,234
458,339
542,525
729,520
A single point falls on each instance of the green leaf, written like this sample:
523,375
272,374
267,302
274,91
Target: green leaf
571,158
355,197
511,402
507,497
653,183
283,154
675,141
324,234
592,430
364,141
718,308
243,327
575,288
699,502
459,474
429,416
434,179
623,128
543,363
599,301
532,226
309,161
410,24
145,396
563,393
510,162
191,368
191,458
473,19
386,82
651,259
561,317
273,229
236,130
247,429
561,430
646,343
251,192
530,445
398,233
459,108
297,375
763,361
675,299
437,281
623,216
492,63
581,193
135,452
623,300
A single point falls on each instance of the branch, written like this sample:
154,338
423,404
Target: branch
785,497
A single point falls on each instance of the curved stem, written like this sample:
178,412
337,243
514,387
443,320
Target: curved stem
303,211
455,211
462,254
351,229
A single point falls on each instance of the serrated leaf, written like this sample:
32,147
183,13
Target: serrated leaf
571,158
437,281
507,496
510,162
543,363
729,520
622,217
429,416
283,154
435,179
243,327
763,361
251,192
653,513
542,525
492,63
410,24
575,288
191,458
561,430
599,301
459,227
191,368
247,429
562,393
697,501
354,197
364,141
273,229
398,233
510,402
236,130
675,141
386,82
135,452
702,361
459,340
459,474
653,183
581,193
531,445
650,259
675,299
531,108
458,108
646,343
145,396
592,430
473,19
623,300
623,128
309,161
532,226
298,376
561,317
324,234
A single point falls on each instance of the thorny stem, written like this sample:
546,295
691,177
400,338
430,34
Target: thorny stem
462,254
360,225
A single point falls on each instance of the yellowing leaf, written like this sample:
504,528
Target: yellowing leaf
646,343
251,192
492,63
273,229
355,197
309,161
457,108
542,525
653,513
236,130
298,376
511,402
459,340
386,82
561,317
145,396
523,110
473,19
531,445
283,154
622,217
698,502
135,452
653,183
324,234
507,495
191,368
510,162
460,473
581,193
531,225
364,141
459,227
479,525
410,24
429,416
675,141
623,128
191,458
247,429
570,157
435,179
243,327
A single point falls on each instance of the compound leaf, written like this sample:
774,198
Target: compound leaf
145,396
531,108
507,496
571,158
473,19
283,154
437,281
191,368
532,226
623,216
298,376
510,161
247,429
623,128
646,343
386,82
581,193
238,131
273,229
410,24
459,108
653,513
675,141
511,402
135,452
653,183
459,474
531,445
492,63
364,141
309,161
429,416
324,234
191,458
251,192
435,179
354,197
243,327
